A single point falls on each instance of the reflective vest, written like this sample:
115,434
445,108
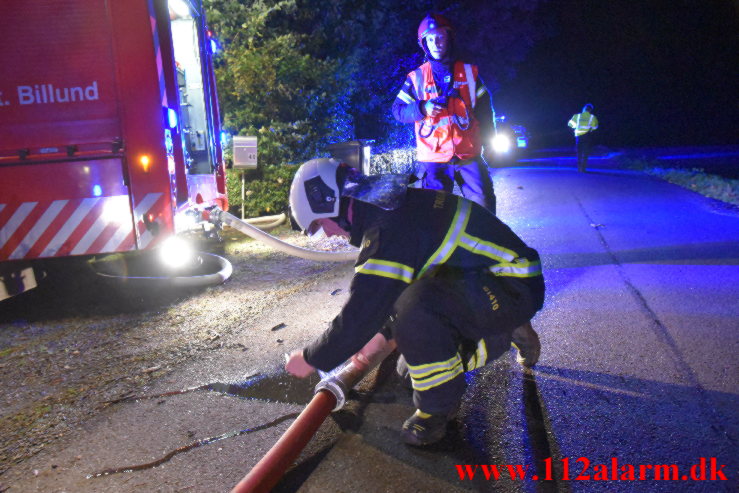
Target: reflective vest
455,131
583,123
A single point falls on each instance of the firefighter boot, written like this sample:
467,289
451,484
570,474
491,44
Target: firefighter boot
424,429
527,342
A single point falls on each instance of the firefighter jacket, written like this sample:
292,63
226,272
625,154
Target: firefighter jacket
431,229
583,123
457,130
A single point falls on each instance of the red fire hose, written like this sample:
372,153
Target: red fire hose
330,396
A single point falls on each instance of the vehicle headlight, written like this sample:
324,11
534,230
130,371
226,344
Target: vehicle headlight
176,252
501,143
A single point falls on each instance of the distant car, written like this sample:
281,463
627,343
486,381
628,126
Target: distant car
510,141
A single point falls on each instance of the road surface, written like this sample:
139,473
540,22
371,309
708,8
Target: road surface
640,333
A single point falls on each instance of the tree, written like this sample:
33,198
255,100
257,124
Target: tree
273,85
300,74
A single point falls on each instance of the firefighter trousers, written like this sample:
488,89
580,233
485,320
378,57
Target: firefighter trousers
583,145
472,176
454,322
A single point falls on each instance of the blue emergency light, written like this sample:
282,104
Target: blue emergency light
171,118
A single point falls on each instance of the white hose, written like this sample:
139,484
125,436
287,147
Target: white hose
280,245
266,219
267,223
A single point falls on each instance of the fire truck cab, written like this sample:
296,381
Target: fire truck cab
109,129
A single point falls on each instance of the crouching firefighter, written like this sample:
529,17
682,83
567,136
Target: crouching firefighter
437,275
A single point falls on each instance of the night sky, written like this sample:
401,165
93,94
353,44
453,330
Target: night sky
658,73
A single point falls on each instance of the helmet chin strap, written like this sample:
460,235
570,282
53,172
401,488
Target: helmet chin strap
346,212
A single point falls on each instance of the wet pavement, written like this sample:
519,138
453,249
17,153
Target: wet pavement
639,334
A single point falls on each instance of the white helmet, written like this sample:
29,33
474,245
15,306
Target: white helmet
314,193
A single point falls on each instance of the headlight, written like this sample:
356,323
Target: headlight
501,143
176,252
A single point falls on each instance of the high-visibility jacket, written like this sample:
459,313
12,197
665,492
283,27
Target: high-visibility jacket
455,131
583,123
430,231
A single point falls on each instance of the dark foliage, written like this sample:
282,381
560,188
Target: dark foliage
301,74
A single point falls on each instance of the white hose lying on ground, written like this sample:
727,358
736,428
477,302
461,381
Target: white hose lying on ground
265,219
266,223
280,245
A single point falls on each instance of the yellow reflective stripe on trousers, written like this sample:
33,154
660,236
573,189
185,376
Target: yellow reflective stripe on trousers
517,269
420,371
486,248
446,371
480,357
449,244
385,268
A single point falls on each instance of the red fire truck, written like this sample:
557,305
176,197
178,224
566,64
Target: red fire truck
109,129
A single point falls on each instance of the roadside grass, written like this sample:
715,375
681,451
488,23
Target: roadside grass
695,179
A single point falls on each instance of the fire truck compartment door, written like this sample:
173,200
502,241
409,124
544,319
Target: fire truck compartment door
70,208
58,84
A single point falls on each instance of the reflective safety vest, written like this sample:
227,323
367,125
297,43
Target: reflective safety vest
455,131
583,123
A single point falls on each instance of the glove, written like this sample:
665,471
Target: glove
296,365
432,108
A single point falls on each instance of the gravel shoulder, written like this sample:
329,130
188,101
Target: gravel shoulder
76,342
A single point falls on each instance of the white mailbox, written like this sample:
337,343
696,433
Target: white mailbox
245,152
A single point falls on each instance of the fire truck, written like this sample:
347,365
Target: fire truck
109,129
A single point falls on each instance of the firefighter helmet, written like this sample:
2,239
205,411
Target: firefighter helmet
431,22
315,193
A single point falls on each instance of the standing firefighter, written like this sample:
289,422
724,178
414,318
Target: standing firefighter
452,112
437,274
584,124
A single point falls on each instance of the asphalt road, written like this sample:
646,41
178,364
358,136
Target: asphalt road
640,333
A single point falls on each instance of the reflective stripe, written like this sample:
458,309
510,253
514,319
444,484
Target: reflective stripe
15,221
419,84
142,208
518,269
385,268
585,127
470,84
420,371
405,97
69,226
480,357
487,248
425,377
482,91
436,380
449,244
38,229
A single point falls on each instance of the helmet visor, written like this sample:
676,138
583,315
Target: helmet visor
384,191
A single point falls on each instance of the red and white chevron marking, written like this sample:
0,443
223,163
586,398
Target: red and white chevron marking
60,228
